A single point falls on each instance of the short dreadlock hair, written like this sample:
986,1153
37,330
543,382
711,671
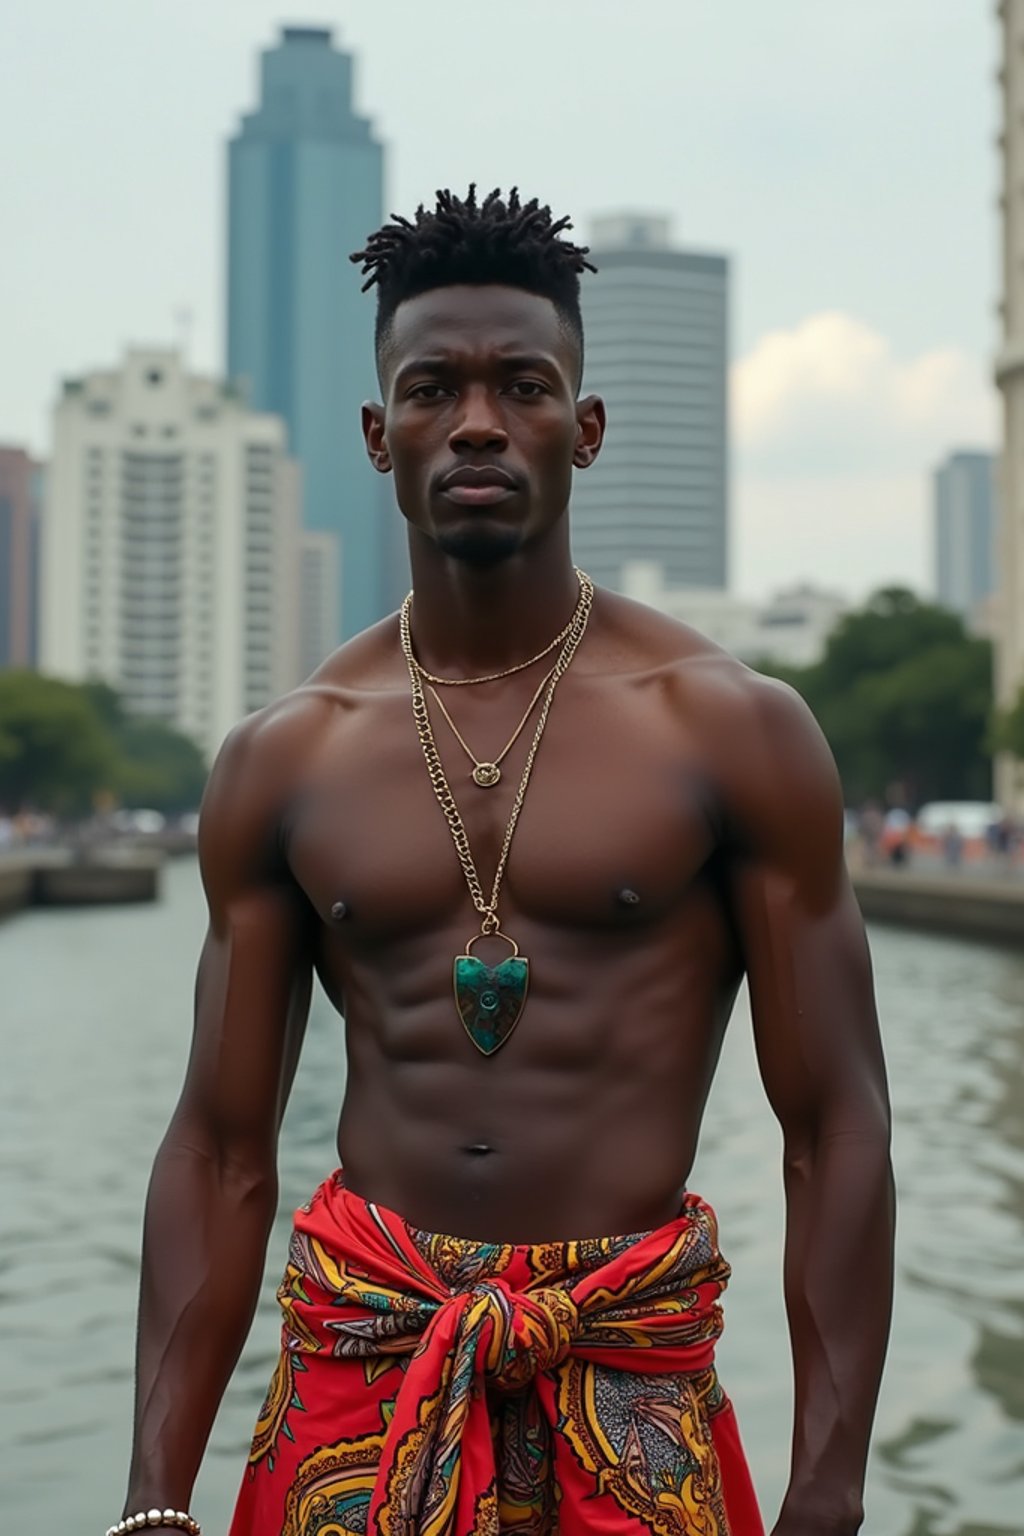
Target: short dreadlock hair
461,240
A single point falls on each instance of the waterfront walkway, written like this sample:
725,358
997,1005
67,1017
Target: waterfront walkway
51,877
972,902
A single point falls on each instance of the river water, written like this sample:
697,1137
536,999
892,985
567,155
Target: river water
94,1010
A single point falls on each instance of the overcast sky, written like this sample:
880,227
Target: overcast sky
842,155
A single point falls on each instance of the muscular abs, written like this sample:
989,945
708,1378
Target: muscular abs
585,1122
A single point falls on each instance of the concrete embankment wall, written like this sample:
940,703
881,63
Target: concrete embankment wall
57,879
967,906
15,885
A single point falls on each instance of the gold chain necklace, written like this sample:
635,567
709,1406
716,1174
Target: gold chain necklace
488,774
489,999
492,677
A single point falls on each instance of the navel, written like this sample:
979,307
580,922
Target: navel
478,1149
627,897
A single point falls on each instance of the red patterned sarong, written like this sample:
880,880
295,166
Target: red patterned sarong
437,1386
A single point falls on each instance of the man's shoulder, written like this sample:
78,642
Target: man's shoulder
759,743
273,740
702,671
282,733
266,759
254,781
363,664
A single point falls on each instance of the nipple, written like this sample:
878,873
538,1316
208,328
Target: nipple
339,911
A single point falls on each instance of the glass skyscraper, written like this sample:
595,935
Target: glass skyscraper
965,531
656,324
304,190
21,499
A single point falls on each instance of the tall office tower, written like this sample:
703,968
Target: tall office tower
656,332
170,545
305,189
21,481
965,530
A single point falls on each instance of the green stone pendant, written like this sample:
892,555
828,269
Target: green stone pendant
490,999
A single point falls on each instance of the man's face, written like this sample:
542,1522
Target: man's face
480,423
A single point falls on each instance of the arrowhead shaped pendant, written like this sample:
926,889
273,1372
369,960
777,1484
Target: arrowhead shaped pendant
490,999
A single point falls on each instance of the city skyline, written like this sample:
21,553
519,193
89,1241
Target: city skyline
865,279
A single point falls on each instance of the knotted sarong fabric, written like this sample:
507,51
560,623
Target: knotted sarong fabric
439,1386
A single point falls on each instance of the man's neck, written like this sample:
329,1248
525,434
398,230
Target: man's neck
470,619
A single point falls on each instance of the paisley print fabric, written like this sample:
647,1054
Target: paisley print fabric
436,1386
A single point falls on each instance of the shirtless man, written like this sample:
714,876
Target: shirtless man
680,828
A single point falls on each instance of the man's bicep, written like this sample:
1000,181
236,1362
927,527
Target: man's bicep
811,994
804,948
255,970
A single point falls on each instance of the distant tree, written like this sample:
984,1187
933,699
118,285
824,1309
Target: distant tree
893,624
66,747
159,767
904,695
923,724
55,754
107,703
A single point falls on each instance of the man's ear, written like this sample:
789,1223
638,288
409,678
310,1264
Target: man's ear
591,419
375,438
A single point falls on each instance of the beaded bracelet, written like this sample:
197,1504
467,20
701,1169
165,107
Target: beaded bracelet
177,1519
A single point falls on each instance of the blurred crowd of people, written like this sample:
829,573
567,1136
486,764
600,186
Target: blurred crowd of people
951,834
25,829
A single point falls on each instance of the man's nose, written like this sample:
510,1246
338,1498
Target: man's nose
479,424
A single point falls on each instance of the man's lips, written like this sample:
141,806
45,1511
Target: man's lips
481,494
478,487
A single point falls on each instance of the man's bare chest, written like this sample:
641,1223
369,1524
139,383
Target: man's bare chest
616,823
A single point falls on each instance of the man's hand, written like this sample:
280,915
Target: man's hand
796,1522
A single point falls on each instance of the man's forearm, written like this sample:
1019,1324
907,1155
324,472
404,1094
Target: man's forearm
207,1224
838,1272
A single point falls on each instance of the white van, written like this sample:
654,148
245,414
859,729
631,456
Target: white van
971,818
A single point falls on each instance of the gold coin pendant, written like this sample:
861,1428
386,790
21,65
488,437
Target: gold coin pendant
486,774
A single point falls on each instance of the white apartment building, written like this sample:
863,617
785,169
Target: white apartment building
790,628
656,348
319,618
170,550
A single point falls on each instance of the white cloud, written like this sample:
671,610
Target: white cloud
835,440
830,395
853,535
